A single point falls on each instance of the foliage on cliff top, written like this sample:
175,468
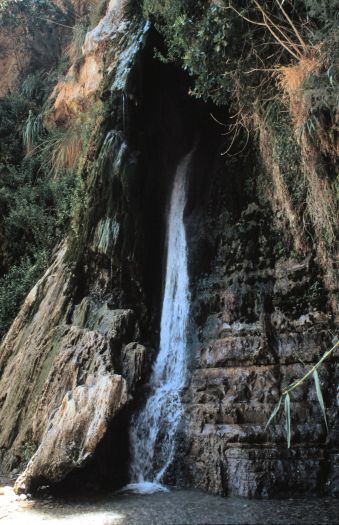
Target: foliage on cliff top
222,43
274,64
253,53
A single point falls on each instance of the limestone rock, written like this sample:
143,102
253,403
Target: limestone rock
82,358
80,398
117,325
111,22
74,431
135,361
261,319
87,81
27,355
59,391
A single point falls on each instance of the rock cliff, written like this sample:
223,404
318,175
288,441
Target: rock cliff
75,362
260,316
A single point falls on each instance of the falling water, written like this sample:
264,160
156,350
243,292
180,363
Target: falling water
124,100
154,429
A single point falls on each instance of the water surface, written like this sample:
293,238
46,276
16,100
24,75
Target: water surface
177,507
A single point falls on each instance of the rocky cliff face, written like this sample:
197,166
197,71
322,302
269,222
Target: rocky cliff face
70,361
75,362
260,315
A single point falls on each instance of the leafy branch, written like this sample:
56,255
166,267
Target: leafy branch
285,396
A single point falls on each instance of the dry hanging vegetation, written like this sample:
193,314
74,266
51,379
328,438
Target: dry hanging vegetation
274,62
291,79
313,112
65,147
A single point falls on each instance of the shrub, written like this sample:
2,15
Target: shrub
36,211
64,147
32,131
13,113
74,49
15,285
35,86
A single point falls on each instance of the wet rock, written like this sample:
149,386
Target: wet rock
27,355
82,357
135,362
60,390
117,325
259,320
79,401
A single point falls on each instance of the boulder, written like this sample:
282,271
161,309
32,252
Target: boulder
135,362
80,399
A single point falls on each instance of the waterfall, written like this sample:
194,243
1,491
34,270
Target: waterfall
154,429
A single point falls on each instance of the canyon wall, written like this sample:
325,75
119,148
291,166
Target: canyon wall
75,363
260,318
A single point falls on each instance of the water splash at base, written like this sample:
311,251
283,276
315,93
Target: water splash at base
154,430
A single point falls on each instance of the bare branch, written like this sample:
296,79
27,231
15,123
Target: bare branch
269,24
302,42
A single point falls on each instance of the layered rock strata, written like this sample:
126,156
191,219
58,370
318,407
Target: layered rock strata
75,362
261,318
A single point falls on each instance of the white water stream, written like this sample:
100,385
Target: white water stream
154,429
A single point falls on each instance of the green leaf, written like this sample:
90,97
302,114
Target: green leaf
288,419
320,396
274,413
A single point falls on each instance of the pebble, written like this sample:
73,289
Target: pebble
184,507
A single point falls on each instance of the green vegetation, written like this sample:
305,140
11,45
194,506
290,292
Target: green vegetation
274,66
16,283
237,51
32,131
41,190
221,43
285,400
41,187
35,205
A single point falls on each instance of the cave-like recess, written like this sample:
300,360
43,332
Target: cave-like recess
235,245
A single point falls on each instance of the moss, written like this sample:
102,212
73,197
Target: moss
105,235
286,152
15,285
28,450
